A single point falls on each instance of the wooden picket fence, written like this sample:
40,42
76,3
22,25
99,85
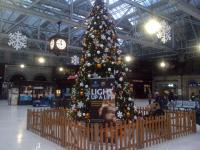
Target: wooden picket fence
56,126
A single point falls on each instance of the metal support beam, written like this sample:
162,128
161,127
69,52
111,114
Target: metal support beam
23,18
137,5
31,12
187,8
55,19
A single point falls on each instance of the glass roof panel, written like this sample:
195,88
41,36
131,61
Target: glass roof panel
122,10
109,1
146,3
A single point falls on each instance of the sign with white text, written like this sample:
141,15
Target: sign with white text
101,99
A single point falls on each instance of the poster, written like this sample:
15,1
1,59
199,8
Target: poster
102,103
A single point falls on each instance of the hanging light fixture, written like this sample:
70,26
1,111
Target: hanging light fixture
128,58
58,43
163,64
41,60
152,26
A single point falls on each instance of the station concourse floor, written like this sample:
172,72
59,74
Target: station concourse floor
14,136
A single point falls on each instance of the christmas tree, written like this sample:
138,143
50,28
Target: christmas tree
101,58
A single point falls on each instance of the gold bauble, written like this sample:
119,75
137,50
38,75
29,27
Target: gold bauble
128,114
81,93
99,66
119,62
82,59
87,116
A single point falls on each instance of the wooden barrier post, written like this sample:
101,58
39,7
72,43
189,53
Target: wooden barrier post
194,122
28,120
42,117
96,135
140,135
168,126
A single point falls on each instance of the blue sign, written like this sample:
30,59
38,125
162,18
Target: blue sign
183,104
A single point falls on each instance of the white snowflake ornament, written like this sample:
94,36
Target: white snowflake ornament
73,107
119,114
17,40
80,104
75,60
119,52
164,34
103,37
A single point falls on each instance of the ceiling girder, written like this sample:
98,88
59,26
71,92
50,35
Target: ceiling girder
76,24
23,18
137,5
187,8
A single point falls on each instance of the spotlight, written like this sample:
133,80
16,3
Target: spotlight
41,60
152,26
128,58
22,66
61,69
198,47
162,64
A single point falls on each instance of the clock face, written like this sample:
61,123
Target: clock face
52,44
61,44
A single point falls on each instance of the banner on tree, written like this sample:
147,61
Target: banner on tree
101,96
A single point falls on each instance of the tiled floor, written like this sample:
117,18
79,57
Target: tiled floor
13,133
14,136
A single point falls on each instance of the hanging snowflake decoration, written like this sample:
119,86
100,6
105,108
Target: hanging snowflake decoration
75,60
17,40
164,34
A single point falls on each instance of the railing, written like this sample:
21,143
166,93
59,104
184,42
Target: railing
55,125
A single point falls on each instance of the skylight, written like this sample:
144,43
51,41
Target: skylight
120,41
147,3
121,10
109,1
133,20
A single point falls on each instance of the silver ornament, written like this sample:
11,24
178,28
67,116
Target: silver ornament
88,64
89,55
89,75
106,50
121,79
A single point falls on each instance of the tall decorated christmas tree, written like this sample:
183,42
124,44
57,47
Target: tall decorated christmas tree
101,59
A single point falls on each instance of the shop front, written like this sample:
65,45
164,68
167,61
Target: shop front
165,87
141,88
29,91
194,88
